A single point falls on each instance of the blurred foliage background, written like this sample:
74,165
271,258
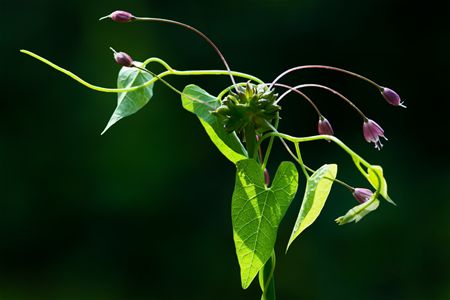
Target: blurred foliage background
143,212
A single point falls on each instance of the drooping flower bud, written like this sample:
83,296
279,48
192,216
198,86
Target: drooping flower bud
372,133
324,127
362,195
123,59
392,97
266,177
120,16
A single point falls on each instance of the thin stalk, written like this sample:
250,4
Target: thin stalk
327,68
334,92
295,89
269,146
349,187
201,34
302,165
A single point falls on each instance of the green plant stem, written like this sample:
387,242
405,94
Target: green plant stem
356,158
250,141
269,146
302,165
267,280
170,71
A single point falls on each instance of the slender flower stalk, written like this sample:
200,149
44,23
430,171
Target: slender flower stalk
334,92
191,28
296,90
327,68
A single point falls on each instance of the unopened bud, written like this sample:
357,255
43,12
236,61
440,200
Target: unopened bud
120,16
324,127
266,177
392,97
362,195
123,59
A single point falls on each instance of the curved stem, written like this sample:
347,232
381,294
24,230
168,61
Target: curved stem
266,279
134,88
327,68
356,158
295,89
269,147
201,34
334,92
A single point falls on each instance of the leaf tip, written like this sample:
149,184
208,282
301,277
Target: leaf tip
388,199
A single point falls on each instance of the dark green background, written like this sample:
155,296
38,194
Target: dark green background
143,212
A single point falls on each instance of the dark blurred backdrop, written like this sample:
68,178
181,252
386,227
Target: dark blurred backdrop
143,212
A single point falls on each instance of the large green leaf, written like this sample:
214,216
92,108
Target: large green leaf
257,211
130,102
198,101
358,212
318,188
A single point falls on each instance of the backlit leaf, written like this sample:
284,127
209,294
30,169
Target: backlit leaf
318,188
198,101
257,211
130,102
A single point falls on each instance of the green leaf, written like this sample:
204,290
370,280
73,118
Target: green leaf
199,102
373,179
257,211
130,102
359,211
318,188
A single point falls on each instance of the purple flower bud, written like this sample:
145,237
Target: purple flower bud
121,16
324,127
362,195
392,97
266,177
123,59
372,133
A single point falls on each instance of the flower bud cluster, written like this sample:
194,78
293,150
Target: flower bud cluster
251,104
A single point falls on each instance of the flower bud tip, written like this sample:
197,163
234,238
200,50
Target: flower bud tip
391,97
119,16
324,126
122,59
362,195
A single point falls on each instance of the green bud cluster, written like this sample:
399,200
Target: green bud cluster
250,105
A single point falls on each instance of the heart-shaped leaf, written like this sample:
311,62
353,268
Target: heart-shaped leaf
130,102
198,101
257,211
318,188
